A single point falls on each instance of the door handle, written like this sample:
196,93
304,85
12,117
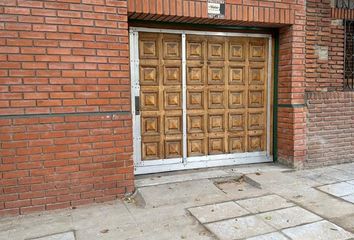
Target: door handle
137,105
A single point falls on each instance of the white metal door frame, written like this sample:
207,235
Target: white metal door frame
163,165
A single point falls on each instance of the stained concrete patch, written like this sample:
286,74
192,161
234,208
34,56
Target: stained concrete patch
269,236
182,177
58,236
217,212
322,230
338,189
346,222
289,217
349,198
239,228
239,190
264,203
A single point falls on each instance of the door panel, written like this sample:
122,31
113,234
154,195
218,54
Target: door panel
226,95
161,95
197,76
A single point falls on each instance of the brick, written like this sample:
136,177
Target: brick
45,43
55,20
58,35
55,5
16,10
34,65
36,95
9,50
59,51
43,12
72,58
82,22
44,28
69,14
55,206
70,29
31,19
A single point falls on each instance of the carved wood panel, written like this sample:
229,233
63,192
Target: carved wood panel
226,94
160,95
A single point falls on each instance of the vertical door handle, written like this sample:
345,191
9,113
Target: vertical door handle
137,105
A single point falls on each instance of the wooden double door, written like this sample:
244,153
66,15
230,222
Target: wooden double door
209,95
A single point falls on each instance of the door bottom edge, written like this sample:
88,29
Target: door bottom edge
140,170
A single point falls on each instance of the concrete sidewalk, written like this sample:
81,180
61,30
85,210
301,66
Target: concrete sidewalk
254,202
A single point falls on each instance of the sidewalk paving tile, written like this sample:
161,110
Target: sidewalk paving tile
217,212
322,230
264,203
289,217
60,236
44,224
341,175
182,193
351,182
269,236
239,228
349,198
338,189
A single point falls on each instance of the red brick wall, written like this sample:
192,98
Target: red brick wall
329,135
336,55
324,74
63,56
62,161
330,128
65,123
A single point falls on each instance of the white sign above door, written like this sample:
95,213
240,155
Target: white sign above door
216,8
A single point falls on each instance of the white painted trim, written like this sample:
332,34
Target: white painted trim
184,98
216,157
135,92
160,162
227,156
200,164
163,165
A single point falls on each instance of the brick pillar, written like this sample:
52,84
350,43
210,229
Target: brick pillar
291,89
